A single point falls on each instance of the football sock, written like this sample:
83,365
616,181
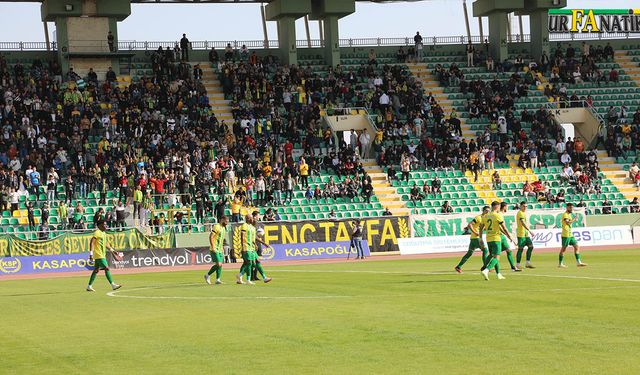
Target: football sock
578,258
108,274
261,270
510,258
519,255
92,278
529,252
212,269
561,259
465,258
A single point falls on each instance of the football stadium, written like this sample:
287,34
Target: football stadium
278,186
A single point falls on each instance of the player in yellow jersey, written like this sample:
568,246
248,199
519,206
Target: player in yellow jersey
249,254
567,238
476,241
505,243
493,224
524,236
216,247
99,247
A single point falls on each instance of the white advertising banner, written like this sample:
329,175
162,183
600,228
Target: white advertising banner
542,239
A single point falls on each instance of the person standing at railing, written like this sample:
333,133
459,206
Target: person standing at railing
184,48
417,39
110,40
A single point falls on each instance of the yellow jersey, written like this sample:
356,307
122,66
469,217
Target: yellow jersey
491,225
249,232
475,225
520,230
566,228
218,232
99,251
304,169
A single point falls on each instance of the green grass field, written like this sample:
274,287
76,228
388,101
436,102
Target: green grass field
377,317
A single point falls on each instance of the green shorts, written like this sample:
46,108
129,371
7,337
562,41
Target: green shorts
505,243
495,248
250,256
100,264
476,244
569,241
525,241
217,257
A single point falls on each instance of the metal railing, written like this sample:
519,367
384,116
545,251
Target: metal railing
134,45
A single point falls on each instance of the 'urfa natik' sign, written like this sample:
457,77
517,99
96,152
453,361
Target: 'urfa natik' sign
594,21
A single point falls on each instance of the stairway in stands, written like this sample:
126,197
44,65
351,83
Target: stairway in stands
431,85
630,67
387,195
220,106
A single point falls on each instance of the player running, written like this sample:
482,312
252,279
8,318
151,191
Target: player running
99,247
568,239
476,241
493,223
524,236
216,247
505,244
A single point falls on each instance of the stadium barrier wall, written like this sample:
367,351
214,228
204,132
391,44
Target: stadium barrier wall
430,225
542,239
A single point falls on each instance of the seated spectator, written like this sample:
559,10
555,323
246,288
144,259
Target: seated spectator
388,213
497,181
567,174
634,206
560,198
415,193
527,190
606,207
636,181
446,208
436,185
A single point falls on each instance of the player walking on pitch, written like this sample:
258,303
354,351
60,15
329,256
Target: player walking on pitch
249,255
216,247
505,244
259,244
567,238
493,223
476,240
99,247
524,236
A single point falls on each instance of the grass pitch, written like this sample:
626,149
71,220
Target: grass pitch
379,317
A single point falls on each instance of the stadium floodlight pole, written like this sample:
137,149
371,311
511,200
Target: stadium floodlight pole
481,29
466,19
321,32
521,28
264,27
46,34
306,27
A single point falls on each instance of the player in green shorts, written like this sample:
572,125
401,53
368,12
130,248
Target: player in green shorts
493,223
524,236
568,239
99,247
476,241
505,243
249,255
216,247
257,268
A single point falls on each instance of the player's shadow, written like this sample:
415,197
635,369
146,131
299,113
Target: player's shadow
437,281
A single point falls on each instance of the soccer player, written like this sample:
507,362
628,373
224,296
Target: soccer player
476,240
505,244
524,236
99,247
216,247
259,243
249,255
493,223
568,239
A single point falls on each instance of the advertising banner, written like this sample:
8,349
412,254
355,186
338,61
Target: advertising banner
198,256
45,264
381,233
313,250
542,239
72,243
453,224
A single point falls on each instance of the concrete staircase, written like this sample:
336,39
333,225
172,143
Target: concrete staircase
627,64
387,194
431,85
220,106
620,179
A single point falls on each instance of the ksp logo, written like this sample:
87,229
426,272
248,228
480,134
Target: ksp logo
268,253
10,265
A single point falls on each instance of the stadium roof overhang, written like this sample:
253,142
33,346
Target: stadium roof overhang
211,1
